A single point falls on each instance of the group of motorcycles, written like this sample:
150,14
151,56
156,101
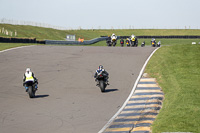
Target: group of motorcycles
101,80
131,41
153,43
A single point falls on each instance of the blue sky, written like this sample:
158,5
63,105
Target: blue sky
105,14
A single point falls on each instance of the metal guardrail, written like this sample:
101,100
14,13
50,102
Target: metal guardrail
87,42
167,37
76,42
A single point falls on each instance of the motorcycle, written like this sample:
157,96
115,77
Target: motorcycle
143,44
111,41
102,81
158,44
31,88
108,41
127,42
134,42
122,42
153,43
114,41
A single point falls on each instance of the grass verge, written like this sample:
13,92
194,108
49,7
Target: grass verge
51,34
177,70
4,46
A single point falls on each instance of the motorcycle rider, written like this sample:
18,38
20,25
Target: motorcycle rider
133,37
143,44
127,42
159,43
113,37
100,71
29,76
153,42
122,42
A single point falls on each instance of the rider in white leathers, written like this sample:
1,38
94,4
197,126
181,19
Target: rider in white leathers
113,37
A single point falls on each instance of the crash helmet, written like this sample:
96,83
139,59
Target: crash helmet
100,67
28,70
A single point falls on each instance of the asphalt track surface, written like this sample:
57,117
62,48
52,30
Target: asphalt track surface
68,100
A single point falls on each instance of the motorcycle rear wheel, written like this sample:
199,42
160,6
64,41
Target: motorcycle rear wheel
31,92
102,86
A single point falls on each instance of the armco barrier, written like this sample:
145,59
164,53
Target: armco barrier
167,37
76,42
17,40
102,38
171,37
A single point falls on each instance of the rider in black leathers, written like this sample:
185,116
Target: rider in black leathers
102,71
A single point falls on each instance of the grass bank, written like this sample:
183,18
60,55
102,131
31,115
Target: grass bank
177,69
4,46
51,34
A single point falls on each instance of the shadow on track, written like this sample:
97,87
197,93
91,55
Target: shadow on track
110,90
41,96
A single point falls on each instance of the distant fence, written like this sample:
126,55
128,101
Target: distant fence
19,22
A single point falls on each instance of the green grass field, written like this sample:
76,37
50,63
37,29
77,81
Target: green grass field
176,65
4,46
177,69
52,34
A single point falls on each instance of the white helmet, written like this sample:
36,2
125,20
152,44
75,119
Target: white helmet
28,70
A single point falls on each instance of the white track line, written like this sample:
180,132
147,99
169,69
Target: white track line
134,87
15,48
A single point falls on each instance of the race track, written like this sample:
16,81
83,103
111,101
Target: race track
68,100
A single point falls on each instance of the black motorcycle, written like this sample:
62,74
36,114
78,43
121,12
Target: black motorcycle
122,42
102,81
134,43
31,88
153,43
108,41
143,44
128,43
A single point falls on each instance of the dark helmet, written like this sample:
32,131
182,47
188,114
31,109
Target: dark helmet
100,67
